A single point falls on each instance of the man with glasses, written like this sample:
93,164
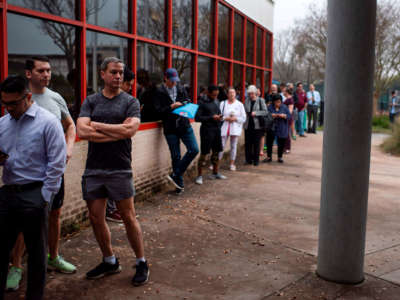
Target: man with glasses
38,73
33,156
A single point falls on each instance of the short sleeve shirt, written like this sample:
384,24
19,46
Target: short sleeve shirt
52,102
112,157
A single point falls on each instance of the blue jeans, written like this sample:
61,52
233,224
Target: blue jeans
300,123
179,165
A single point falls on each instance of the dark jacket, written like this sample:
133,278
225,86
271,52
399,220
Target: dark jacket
172,123
207,109
281,126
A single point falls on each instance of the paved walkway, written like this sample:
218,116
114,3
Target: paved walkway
251,237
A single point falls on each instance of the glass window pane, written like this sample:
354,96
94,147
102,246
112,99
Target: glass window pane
151,19
182,62
267,78
259,46
111,14
204,71
62,8
268,50
223,31
54,40
182,27
150,72
223,73
238,38
237,79
205,24
249,76
98,47
258,78
250,43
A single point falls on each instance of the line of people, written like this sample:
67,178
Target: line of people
37,139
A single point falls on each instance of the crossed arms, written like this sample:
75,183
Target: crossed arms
103,133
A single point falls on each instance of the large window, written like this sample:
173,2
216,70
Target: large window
62,8
238,38
150,73
29,37
107,13
223,31
205,25
151,19
182,29
250,43
150,37
98,47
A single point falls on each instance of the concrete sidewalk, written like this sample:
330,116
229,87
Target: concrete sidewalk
253,236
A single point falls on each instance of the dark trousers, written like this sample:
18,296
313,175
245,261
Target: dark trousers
24,212
270,143
392,117
312,115
252,139
179,165
321,113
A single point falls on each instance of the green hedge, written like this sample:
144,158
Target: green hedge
381,121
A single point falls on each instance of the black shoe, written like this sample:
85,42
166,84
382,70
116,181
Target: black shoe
280,160
104,269
256,164
248,163
267,160
179,191
142,274
303,135
174,180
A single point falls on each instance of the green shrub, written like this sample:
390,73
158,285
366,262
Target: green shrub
381,121
392,144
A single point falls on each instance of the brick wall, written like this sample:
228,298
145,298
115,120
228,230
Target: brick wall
150,163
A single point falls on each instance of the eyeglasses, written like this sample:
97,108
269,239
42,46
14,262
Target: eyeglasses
13,103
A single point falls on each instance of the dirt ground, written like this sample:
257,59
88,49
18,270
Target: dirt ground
253,236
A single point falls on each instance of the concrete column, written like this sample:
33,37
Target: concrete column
347,139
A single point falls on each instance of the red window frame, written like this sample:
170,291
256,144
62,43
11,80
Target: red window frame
133,38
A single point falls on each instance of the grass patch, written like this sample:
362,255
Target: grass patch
381,124
392,144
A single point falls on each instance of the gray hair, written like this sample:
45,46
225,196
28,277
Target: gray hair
252,89
109,60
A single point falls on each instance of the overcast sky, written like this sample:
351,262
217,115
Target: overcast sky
286,11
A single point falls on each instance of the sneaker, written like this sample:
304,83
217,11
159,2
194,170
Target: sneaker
211,167
294,137
114,217
103,269
142,274
267,160
232,167
14,278
172,178
60,265
179,191
199,180
280,160
217,176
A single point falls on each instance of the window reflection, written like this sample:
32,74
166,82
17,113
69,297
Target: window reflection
249,76
223,31
259,46
54,40
268,50
182,62
150,72
182,28
205,24
237,79
112,14
258,78
204,71
250,43
62,8
238,38
151,19
98,47
267,78
223,79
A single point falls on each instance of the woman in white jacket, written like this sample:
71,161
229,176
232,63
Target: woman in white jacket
234,116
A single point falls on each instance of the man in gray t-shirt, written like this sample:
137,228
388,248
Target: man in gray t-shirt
108,120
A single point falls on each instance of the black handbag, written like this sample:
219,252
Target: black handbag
267,121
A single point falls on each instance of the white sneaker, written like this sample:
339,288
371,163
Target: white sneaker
232,167
199,180
218,176
211,167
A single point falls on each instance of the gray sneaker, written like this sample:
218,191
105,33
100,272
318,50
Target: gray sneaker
218,176
199,180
